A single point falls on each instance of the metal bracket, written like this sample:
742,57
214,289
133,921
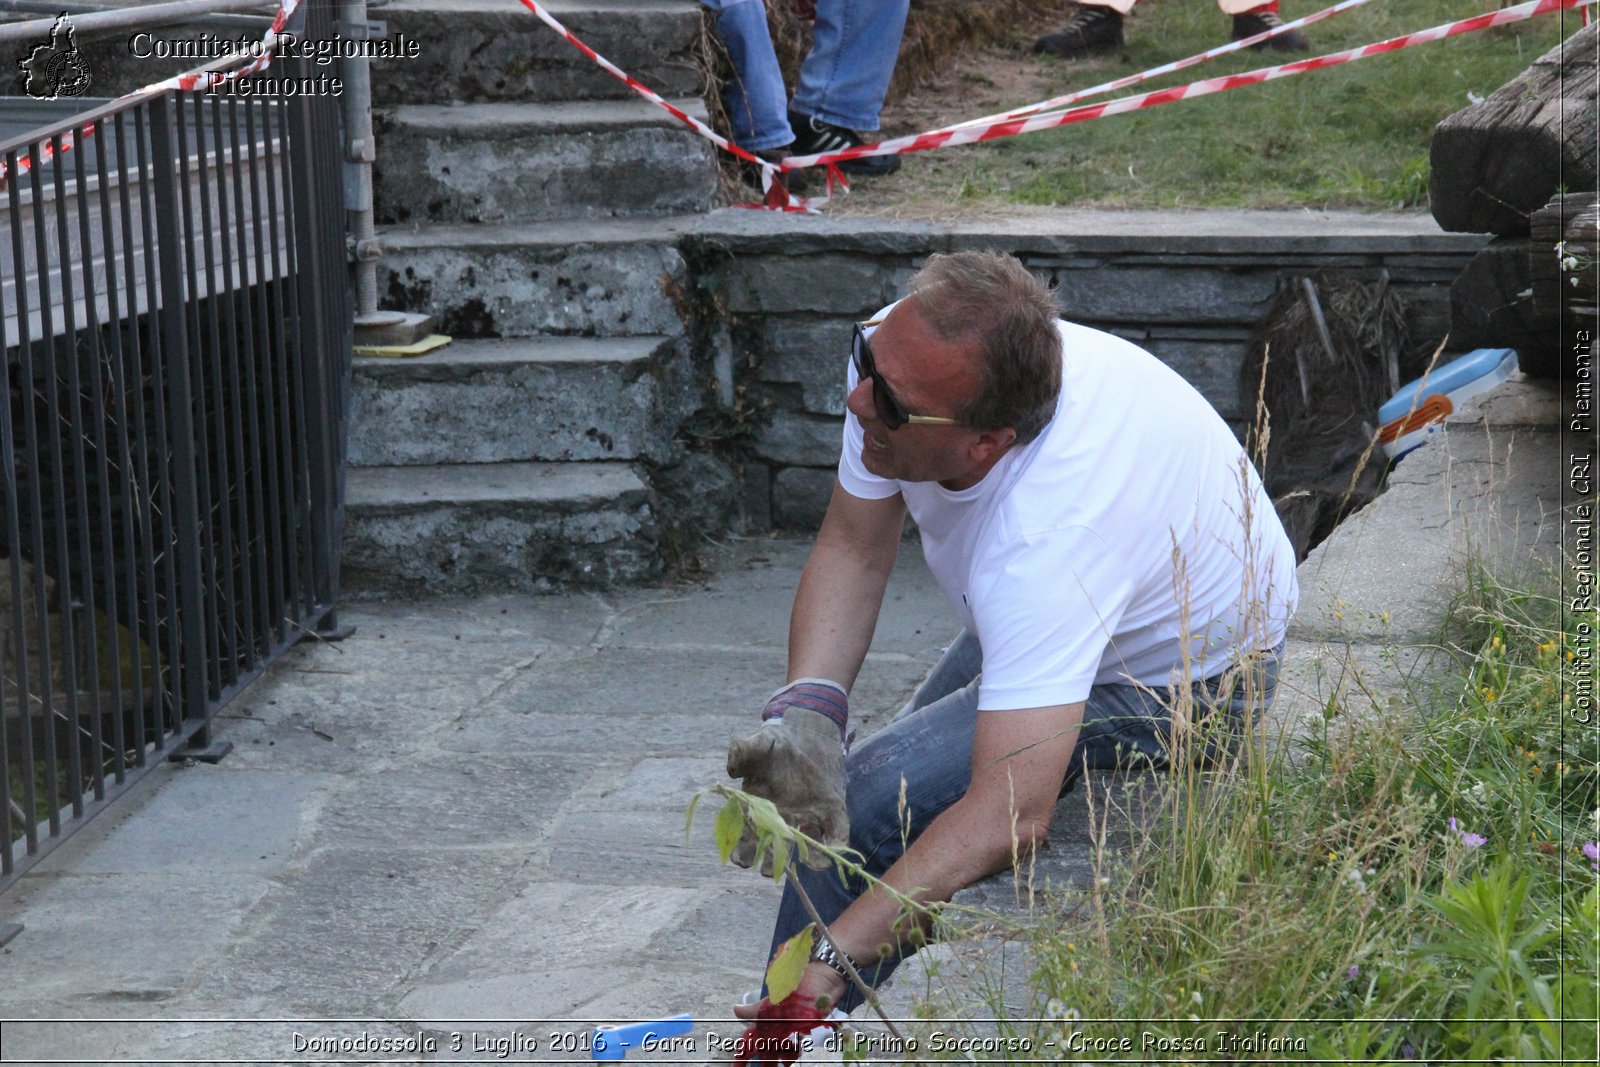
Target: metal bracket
365,30
330,631
212,753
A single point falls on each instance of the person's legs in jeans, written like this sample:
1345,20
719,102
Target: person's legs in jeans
929,744
756,100
853,51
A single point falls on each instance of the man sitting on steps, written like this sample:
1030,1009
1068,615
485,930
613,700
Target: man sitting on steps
1107,547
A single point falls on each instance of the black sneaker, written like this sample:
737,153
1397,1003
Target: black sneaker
1251,23
793,180
812,136
1092,30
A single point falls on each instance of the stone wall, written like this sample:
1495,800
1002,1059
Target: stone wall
782,293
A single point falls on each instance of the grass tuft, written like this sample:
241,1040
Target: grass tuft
1408,883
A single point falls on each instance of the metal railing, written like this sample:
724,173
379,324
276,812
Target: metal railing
175,319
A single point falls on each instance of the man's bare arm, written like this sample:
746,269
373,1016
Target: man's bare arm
841,589
1019,759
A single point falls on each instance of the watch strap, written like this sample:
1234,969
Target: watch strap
824,953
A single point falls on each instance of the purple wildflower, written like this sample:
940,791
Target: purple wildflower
1592,850
1471,840
1354,970
1408,1051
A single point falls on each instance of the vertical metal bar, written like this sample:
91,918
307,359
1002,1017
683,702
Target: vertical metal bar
99,579
126,561
266,358
14,545
312,223
45,565
171,614
35,509
252,488
211,435
230,396
340,348
194,676
293,412
71,586
197,426
278,321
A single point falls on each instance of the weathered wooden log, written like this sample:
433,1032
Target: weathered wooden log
1519,291
1564,267
1496,162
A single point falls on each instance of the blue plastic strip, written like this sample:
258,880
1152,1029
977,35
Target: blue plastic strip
613,1042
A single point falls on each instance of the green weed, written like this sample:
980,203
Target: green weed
1408,883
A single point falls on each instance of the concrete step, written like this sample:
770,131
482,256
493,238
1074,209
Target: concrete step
505,527
610,278
498,50
499,162
554,398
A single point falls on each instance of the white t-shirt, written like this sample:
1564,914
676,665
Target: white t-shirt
1088,556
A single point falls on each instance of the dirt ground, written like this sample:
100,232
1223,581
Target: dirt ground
976,82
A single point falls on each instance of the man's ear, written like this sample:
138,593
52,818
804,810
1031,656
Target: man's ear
991,443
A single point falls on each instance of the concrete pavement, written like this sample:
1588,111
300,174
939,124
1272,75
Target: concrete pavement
470,810
460,831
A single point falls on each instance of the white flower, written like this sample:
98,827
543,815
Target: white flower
1574,281
1195,996
1569,263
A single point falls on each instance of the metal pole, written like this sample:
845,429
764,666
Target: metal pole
356,72
128,18
372,326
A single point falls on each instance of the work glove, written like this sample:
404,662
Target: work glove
796,760
783,1032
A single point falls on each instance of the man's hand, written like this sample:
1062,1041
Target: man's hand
796,760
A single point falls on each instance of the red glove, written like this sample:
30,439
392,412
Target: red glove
775,1035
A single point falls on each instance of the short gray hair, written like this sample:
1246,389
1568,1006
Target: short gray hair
992,300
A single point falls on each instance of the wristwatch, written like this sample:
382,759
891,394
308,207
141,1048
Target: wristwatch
824,953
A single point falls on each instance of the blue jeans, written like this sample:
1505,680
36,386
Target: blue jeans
843,79
929,744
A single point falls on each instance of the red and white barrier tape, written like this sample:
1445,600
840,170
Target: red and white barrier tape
1012,127
189,81
1155,72
774,194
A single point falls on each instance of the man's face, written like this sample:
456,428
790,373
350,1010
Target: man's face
929,376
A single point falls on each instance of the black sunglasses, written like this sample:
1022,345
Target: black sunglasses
887,405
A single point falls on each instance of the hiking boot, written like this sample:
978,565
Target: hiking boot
1091,31
813,136
1253,22
793,180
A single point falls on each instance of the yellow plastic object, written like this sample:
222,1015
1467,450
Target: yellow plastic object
415,348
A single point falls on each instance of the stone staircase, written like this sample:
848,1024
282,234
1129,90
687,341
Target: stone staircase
533,205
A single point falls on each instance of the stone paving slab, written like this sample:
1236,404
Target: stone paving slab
135,939
355,928
471,807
